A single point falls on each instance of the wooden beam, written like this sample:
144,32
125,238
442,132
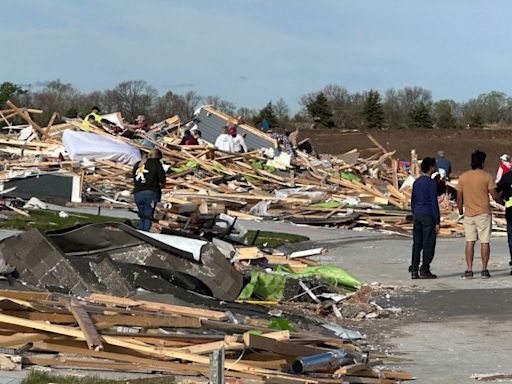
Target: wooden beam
157,307
86,325
25,115
281,347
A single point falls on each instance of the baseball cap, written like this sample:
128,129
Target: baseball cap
505,157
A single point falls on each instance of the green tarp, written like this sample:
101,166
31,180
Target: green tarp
270,286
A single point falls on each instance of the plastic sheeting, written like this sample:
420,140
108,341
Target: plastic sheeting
89,145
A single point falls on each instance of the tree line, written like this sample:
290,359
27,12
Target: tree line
331,107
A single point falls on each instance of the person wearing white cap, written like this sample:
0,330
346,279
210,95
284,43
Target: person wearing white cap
444,165
504,167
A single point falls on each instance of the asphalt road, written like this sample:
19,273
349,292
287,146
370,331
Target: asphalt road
457,327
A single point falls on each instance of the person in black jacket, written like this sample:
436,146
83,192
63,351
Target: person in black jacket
505,187
148,179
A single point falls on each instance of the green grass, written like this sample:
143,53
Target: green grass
272,239
36,377
50,220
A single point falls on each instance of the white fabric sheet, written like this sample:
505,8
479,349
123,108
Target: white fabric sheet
89,145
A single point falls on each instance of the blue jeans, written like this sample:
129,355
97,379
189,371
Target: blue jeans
146,201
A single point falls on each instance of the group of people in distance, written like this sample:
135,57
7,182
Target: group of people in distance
229,140
473,190
124,129
148,174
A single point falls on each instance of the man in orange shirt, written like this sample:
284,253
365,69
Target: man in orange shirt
473,201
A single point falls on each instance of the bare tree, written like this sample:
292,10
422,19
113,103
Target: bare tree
222,105
134,98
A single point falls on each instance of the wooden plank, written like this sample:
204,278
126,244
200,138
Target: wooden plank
20,339
281,347
25,115
387,374
81,363
229,344
86,325
167,366
350,369
50,125
150,350
159,307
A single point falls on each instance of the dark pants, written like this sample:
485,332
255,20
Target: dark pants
509,237
424,239
146,201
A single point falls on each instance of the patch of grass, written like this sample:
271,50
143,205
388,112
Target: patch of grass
36,377
50,220
272,239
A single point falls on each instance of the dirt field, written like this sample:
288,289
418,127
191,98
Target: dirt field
457,143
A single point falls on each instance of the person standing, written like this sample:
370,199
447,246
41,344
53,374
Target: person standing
148,179
224,141
443,165
504,167
505,188
426,220
473,202
238,141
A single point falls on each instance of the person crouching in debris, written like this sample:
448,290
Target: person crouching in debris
426,220
95,118
284,143
188,138
224,141
148,179
238,141
140,125
198,136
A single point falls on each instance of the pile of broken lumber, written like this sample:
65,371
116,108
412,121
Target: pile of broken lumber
364,187
103,332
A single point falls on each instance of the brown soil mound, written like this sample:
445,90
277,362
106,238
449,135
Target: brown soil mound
457,143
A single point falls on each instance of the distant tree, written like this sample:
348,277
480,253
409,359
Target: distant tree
192,101
267,113
320,111
55,96
220,104
9,91
344,106
132,98
372,110
420,116
494,107
168,105
246,114
475,120
282,111
444,114
401,104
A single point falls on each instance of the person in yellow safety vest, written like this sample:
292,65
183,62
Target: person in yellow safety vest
92,117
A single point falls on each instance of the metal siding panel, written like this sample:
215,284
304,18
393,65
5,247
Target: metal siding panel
211,126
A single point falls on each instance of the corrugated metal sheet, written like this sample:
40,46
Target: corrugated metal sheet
211,123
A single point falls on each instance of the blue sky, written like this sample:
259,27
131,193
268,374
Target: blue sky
253,51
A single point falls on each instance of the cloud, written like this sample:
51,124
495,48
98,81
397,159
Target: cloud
177,85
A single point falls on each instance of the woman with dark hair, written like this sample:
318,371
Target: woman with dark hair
148,178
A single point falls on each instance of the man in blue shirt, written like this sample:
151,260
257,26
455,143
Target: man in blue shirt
425,210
